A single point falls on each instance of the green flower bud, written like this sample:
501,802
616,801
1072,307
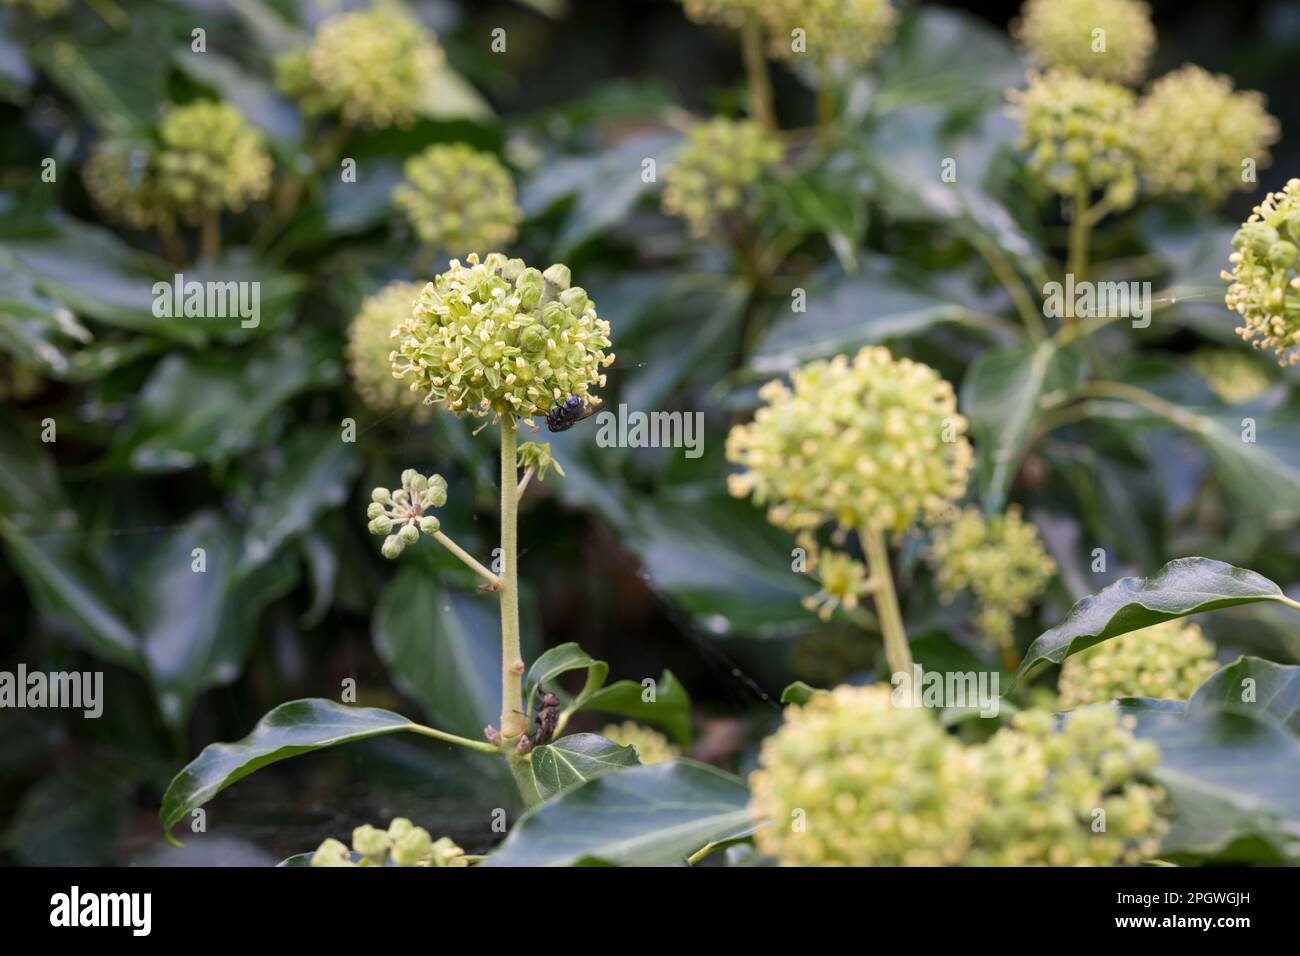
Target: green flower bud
1063,33
447,853
408,478
211,159
371,843
409,534
412,847
716,171
557,279
462,345
430,525
332,853
1196,131
1000,560
1233,376
651,746
435,495
1080,134
843,580
381,524
381,496
1168,661
537,455
459,200
392,546
869,442
1264,282
398,828
370,347
853,30
370,66
374,509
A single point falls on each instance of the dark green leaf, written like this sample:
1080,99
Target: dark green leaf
560,660
797,693
670,708
1254,687
575,759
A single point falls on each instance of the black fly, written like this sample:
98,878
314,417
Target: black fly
564,415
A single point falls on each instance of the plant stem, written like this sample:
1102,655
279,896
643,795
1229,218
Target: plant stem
480,745
1124,392
512,664
210,236
523,483
469,560
897,653
522,769
760,84
825,101
1012,282
1080,227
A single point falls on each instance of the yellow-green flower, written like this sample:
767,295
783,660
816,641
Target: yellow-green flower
459,200
1080,135
716,171
537,456
122,180
1109,39
370,66
402,844
1166,661
1197,131
651,746
499,338
843,580
853,30
370,345
871,442
1001,561
210,159
332,853
1265,276
1233,376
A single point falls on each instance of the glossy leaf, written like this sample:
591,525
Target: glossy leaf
561,660
670,708
1255,687
575,759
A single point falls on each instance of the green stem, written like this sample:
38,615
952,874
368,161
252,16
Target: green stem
760,84
1080,228
210,236
523,483
897,652
512,664
522,769
469,560
825,101
480,745
1144,399
1015,286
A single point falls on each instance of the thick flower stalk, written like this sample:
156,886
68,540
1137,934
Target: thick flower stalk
852,780
402,844
369,346
717,171
500,338
1234,377
370,67
1064,34
1080,136
1000,560
1196,133
459,200
1166,661
210,159
851,30
651,746
1265,278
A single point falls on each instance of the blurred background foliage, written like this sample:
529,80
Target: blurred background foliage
180,433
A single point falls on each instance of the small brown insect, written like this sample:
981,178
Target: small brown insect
547,716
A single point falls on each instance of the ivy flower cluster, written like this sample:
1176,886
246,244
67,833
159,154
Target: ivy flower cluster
458,199
851,30
1064,34
1168,661
1265,278
498,337
369,347
207,158
1197,131
651,746
872,442
369,67
1234,378
1000,560
717,170
852,780
402,844
1080,135
403,515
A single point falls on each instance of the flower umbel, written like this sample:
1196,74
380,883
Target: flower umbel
869,442
1265,276
458,199
211,159
1167,660
716,170
403,515
370,345
853,30
1110,39
498,337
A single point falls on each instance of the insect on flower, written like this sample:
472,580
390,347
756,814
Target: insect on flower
564,415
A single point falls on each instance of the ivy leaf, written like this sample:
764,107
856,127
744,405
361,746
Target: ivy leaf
1182,587
1256,687
575,759
560,660
798,693
642,816
670,707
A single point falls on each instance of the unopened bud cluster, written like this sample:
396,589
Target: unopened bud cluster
852,30
867,443
651,746
717,171
402,844
537,456
1065,34
369,347
1080,135
1000,560
369,67
1197,131
403,515
1166,661
498,337
852,780
458,199
1233,376
1265,276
